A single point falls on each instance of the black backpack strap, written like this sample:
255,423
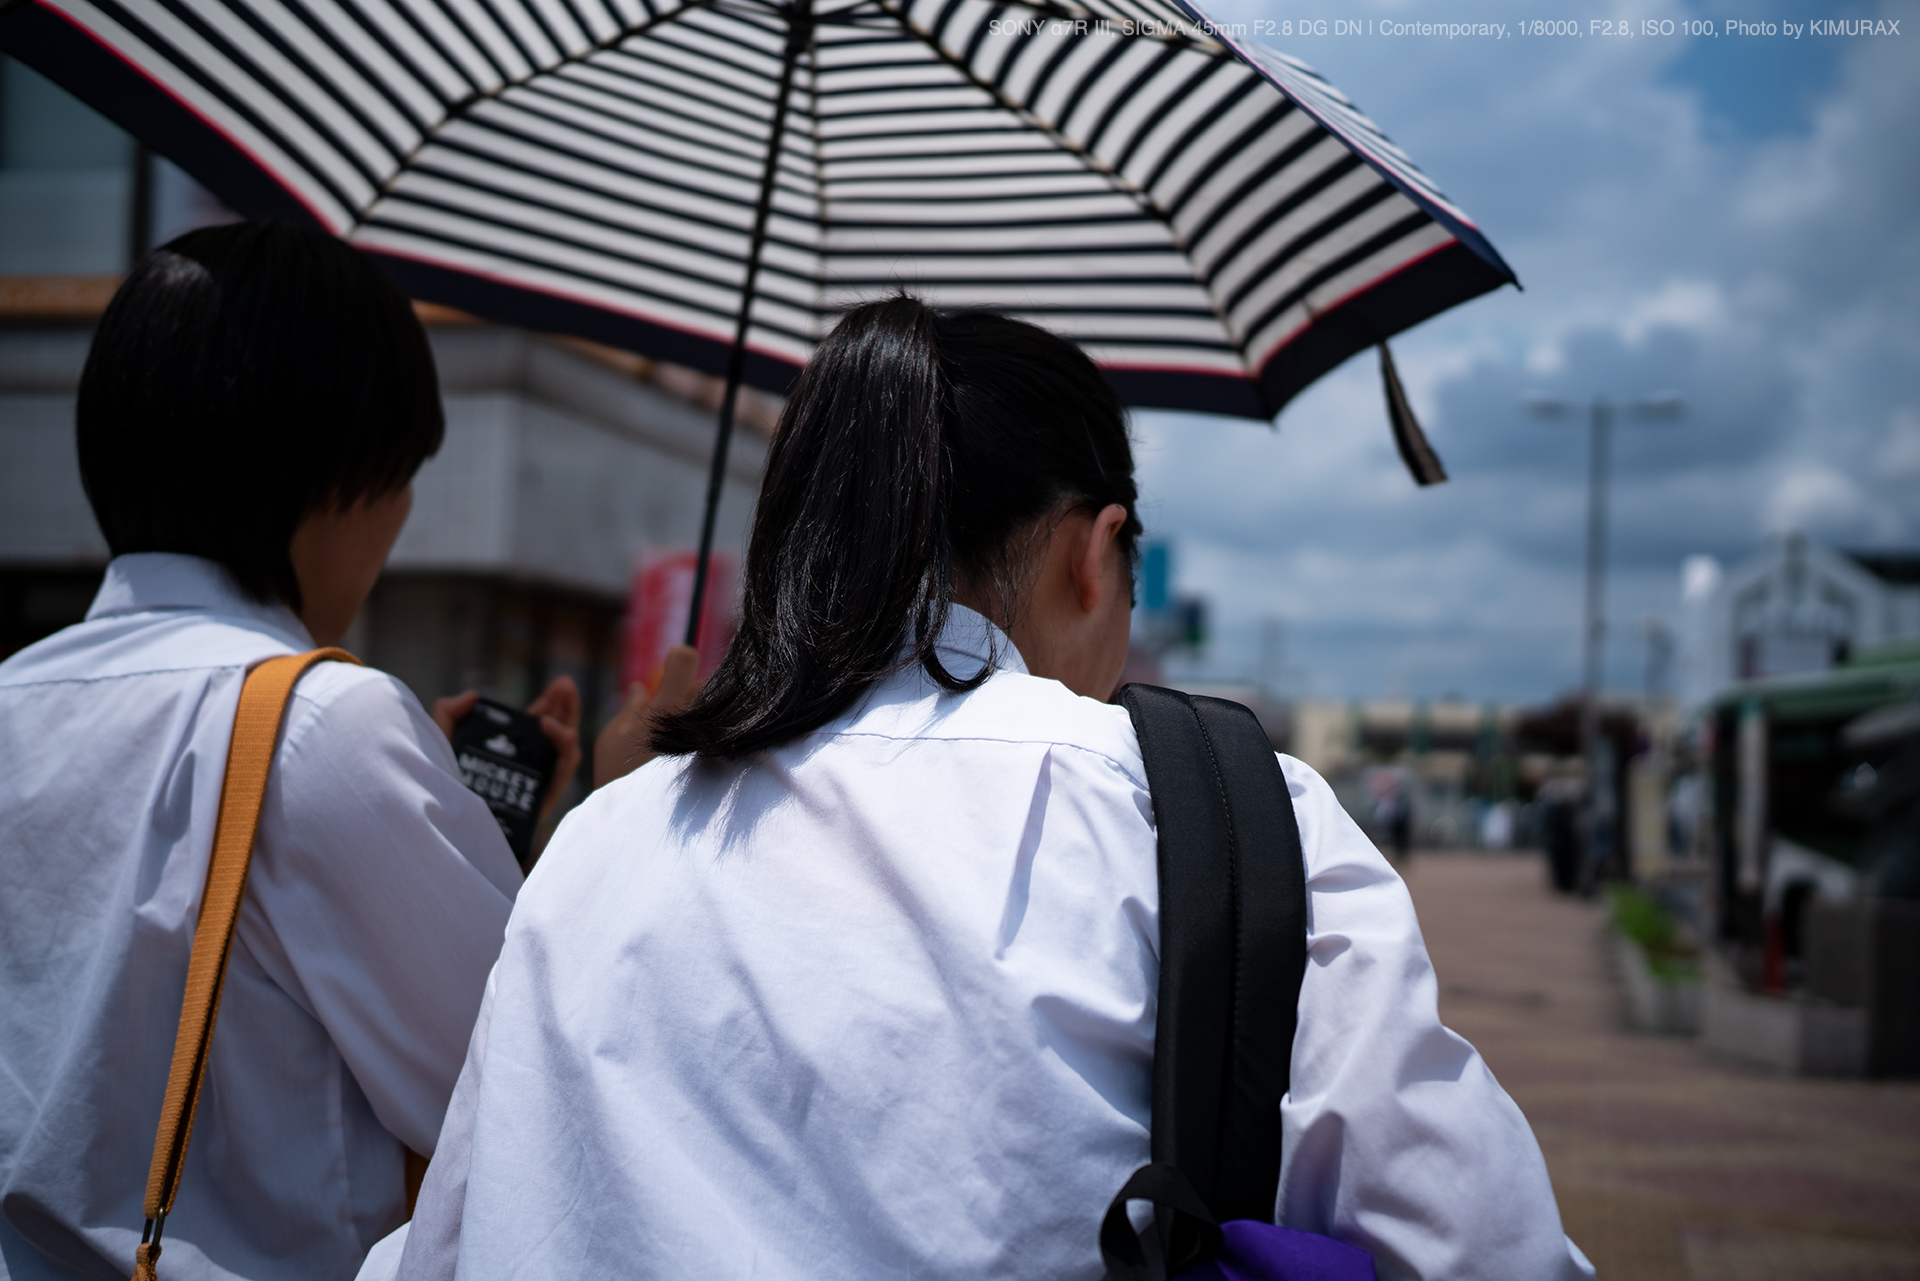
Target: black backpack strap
1270,936
1232,955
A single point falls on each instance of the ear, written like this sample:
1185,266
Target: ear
1090,583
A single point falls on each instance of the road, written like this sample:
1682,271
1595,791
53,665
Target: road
1670,1164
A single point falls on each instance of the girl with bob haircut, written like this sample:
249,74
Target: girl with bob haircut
252,412
858,980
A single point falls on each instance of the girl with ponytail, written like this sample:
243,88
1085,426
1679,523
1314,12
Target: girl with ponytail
922,459
857,978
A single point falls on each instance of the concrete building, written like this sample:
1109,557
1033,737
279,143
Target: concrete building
1795,608
1453,762
1334,736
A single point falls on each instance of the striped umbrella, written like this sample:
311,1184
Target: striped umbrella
712,182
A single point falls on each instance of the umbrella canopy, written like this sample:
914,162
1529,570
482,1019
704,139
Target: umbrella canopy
1211,220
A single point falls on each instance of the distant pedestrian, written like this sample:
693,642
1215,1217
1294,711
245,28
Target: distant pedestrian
1558,800
1496,826
1400,830
1393,812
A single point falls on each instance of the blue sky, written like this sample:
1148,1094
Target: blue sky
1735,218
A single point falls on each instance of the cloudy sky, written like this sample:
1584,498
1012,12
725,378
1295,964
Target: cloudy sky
1735,219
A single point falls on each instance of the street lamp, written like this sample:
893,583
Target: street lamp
1593,633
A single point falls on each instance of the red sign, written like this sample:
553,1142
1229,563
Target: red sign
657,613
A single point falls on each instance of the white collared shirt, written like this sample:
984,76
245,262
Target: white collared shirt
881,1004
379,891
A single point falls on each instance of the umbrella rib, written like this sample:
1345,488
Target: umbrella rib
818,156
1084,155
458,111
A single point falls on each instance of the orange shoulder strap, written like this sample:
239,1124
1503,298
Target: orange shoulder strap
256,729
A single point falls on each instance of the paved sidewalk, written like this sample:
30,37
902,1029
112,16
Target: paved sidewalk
1670,1165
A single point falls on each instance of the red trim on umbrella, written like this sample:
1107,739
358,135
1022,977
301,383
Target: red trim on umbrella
1314,316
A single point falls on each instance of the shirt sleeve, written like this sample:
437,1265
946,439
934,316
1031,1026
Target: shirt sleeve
380,891
427,1246
431,1249
1396,1136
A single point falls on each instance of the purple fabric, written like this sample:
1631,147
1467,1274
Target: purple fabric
1256,1251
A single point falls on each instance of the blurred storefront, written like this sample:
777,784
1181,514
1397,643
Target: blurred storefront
1450,769
1815,835
1795,607
1797,780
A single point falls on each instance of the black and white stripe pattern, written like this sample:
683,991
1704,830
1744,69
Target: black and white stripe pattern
1215,223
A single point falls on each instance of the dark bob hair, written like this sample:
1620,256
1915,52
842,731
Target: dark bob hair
243,377
916,450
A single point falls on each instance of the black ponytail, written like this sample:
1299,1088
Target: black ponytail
914,450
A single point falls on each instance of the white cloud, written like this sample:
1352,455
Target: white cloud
1898,455
1699,575
1677,304
1810,497
1545,359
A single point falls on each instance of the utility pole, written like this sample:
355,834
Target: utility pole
1659,659
1273,657
1598,751
1593,631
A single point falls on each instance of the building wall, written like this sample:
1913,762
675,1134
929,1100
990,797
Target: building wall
1796,607
1333,735
561,470
556,475
444,633
557,471
66,181
44,517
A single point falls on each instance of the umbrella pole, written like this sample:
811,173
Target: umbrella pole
799,32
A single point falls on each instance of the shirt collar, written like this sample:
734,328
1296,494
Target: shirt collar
143,582
970,634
